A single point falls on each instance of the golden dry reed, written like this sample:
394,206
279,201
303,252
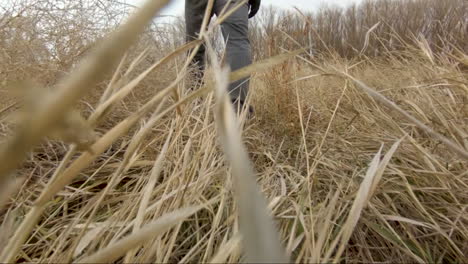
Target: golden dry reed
357,151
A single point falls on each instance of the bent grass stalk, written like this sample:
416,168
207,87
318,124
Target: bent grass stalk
55,106
260,238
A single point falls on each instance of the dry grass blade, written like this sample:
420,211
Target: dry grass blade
105,106
87,239
148,232
405,220
371,179
155,173
7,190
366,42
358,205
233,76
8,108
382,99
214,226
55,106
7,227
9,252
326,225
65,178
383,165
112,86
85,159
263,65
260,237
309,143
122,168
223,253
206,18
76,167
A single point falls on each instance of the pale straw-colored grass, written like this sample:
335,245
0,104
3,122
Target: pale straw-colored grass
327,170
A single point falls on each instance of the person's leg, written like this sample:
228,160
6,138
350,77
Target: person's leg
235,32
194,13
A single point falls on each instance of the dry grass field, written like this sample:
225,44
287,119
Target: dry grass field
357,151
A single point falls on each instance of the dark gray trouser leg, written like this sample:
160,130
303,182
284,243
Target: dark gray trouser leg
235,31
194,12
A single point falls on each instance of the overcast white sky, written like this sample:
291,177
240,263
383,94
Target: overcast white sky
177,6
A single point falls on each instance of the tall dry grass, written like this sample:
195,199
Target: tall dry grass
370,28
350,156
